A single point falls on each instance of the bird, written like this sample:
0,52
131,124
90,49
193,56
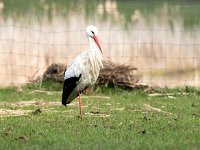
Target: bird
84,70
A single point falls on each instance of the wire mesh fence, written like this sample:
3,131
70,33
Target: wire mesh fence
161,45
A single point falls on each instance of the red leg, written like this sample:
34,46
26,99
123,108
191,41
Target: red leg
80,104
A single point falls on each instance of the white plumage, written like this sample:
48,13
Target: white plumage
88,65
84,69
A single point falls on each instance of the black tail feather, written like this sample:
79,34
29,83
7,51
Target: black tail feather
68,87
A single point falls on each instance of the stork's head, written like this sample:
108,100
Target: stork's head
92,32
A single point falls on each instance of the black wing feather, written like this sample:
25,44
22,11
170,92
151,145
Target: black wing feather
68,88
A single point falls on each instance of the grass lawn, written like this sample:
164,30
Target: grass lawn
112,119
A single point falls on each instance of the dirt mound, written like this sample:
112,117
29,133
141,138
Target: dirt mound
54,72
112,74
118,75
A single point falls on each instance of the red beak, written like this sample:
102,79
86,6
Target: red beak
97,42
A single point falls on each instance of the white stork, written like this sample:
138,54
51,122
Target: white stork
84,69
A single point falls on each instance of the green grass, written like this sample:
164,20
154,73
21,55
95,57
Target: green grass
127,124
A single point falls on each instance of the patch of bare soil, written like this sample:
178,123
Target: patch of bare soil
97,114
30,103
18,112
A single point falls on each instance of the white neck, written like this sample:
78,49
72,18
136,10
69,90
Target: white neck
95,56
92,45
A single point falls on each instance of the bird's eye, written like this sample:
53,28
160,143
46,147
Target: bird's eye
92,32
